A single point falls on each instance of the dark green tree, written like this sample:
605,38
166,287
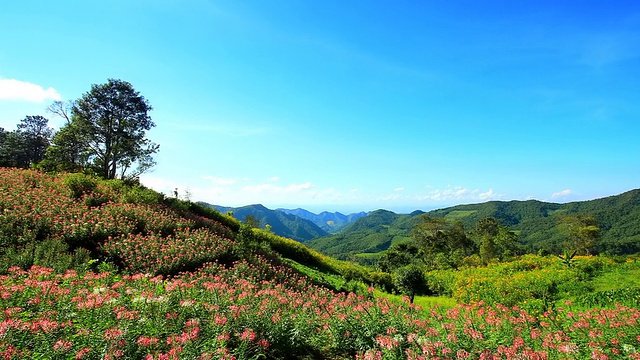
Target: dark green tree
13,151
36,134
25,146
67,152
493,240
443,243
410,280
106,132
399,255
252,221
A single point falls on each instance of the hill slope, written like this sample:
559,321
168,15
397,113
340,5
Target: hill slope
175,280
535,221
370,234
282,224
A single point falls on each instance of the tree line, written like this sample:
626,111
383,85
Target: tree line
438,243
104,134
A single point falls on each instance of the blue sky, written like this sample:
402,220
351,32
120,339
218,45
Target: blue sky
349,106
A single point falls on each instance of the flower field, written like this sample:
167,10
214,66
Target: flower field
180,287
251,309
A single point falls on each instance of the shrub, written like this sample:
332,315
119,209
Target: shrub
410,280
140,195
80,184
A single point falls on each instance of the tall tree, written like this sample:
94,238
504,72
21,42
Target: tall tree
67,152
443,243
26,145
36,134
582,233
106,131
494,240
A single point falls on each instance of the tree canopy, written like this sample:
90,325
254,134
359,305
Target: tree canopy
25,146
106,132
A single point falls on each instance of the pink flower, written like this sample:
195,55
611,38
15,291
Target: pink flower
62,345
80,354
145,341
248,335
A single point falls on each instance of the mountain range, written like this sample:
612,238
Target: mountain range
331,222
535,222
297,224
282,224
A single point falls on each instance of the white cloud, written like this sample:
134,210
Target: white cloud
219,180
459,193
398,189
298,187
11,89
562,193
488,195
274,179
274,189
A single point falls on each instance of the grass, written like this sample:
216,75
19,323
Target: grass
368,255
459,214
618,278
321,278
426,302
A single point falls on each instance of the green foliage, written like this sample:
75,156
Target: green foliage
410,280
67,153
298,252
52,253
25,147
567,258
251,221
80,184
535,223
139,194
227,295
609,298
582,232
373,233
398,256
443,244
105,134
494,241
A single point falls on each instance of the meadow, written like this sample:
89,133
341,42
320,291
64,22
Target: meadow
93,269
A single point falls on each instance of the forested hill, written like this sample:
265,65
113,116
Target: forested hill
282,224
370,234
536,222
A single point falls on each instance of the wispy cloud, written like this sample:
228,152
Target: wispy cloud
12,89
275,189
219,181
460,193
562,193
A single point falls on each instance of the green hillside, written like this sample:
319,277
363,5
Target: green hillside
107,269
535,222
370,234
